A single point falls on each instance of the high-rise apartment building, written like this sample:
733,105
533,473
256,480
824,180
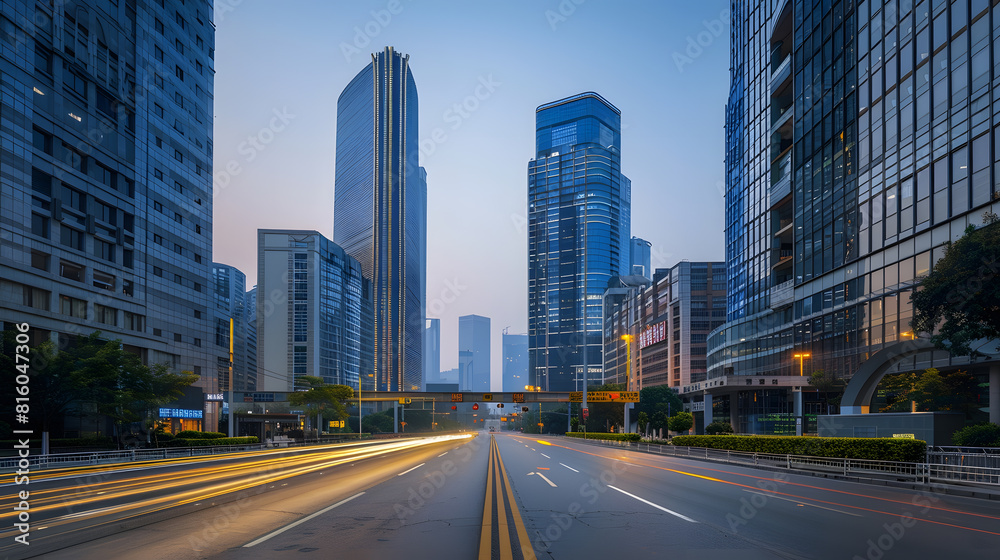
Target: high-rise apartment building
432,351
515,362
640,258
859,141
107,176
474,352
579,206
380,210
314,321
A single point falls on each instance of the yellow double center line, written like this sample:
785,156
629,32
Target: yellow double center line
497,487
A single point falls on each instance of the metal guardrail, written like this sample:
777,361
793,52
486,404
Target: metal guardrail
103,457
921,473
987,457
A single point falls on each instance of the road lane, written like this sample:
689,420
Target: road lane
773,512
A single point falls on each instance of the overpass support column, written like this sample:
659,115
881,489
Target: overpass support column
995,394
708,409
797,407
734,414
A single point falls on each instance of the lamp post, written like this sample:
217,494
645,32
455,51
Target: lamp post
801,357
231,427
628,376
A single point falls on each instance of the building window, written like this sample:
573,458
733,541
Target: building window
158,110
104,281
106,315
158,239
179,72
158,174
40,225
104,250
37,298
71,271
127,288
73,307
128,260
133,321
39,260
157,271
158,53
42,141
178,156
158,25
157,206
178,337
72,238
74,159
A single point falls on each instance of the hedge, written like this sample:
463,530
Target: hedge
612,437
193,434
879,449
980,435
196,442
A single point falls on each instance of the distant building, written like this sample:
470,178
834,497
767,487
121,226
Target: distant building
380,210
474,352
432,351
229,303
515,362
578,237
313,322
640,258
667,322
251,325
451,376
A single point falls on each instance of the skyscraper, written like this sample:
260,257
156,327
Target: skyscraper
229,302
579,206
515,362
639,259
107,176
432,351
474,352
313,322
858,143
380,210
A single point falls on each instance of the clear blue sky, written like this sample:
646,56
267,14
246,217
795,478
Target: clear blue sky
664,64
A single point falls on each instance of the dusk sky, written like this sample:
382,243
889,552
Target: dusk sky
481,70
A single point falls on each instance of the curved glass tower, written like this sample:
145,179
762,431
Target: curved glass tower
380,210
578,238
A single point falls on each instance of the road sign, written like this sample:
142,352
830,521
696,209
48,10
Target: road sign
488,397
503,418
456,397
519,397
405,400
336,423
605,396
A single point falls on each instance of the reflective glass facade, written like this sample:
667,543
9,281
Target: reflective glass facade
380,210
106,209
860,139
229,302
313,322
579,207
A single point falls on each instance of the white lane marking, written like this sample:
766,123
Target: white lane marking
443,454
569,467
413,469
552,484
300,521
659,507
546,456
531,448
800,503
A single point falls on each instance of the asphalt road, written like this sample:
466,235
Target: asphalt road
573,500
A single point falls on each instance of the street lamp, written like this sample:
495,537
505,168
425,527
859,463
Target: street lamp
801,357
910,334
628,364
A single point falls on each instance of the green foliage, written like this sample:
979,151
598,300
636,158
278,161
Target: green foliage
719,427
194,434
574,424
611,437
201,442
659,398
959,299
880,449
930,390
980,435
659,421
602,415
642,420
681,422
321,398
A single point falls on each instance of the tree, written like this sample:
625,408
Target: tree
930,390
960,298
981,435
719,427
826,384
322,398
658,398
574,424
681,422
659,420
642,420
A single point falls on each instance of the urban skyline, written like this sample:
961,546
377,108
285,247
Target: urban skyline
496,137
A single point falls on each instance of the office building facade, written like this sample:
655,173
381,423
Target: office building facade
474,352
667,323
107,177
313,320
869,130
515,362
229,302
432,351
250,318
380,210
640,258
579,211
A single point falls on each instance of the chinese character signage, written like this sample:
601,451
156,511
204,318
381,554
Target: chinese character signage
653,334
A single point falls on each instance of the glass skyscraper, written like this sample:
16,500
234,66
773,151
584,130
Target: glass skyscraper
107,176
474,352
380,210
859,140
578,238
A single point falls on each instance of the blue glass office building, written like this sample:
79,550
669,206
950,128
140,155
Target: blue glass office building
578,237
859,140
380,210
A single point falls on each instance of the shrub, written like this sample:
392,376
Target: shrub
611,437
192,434
879,449
200,442
718,427
981,435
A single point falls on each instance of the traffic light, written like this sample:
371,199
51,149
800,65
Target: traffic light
500,405
524,409
453,407
475,406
